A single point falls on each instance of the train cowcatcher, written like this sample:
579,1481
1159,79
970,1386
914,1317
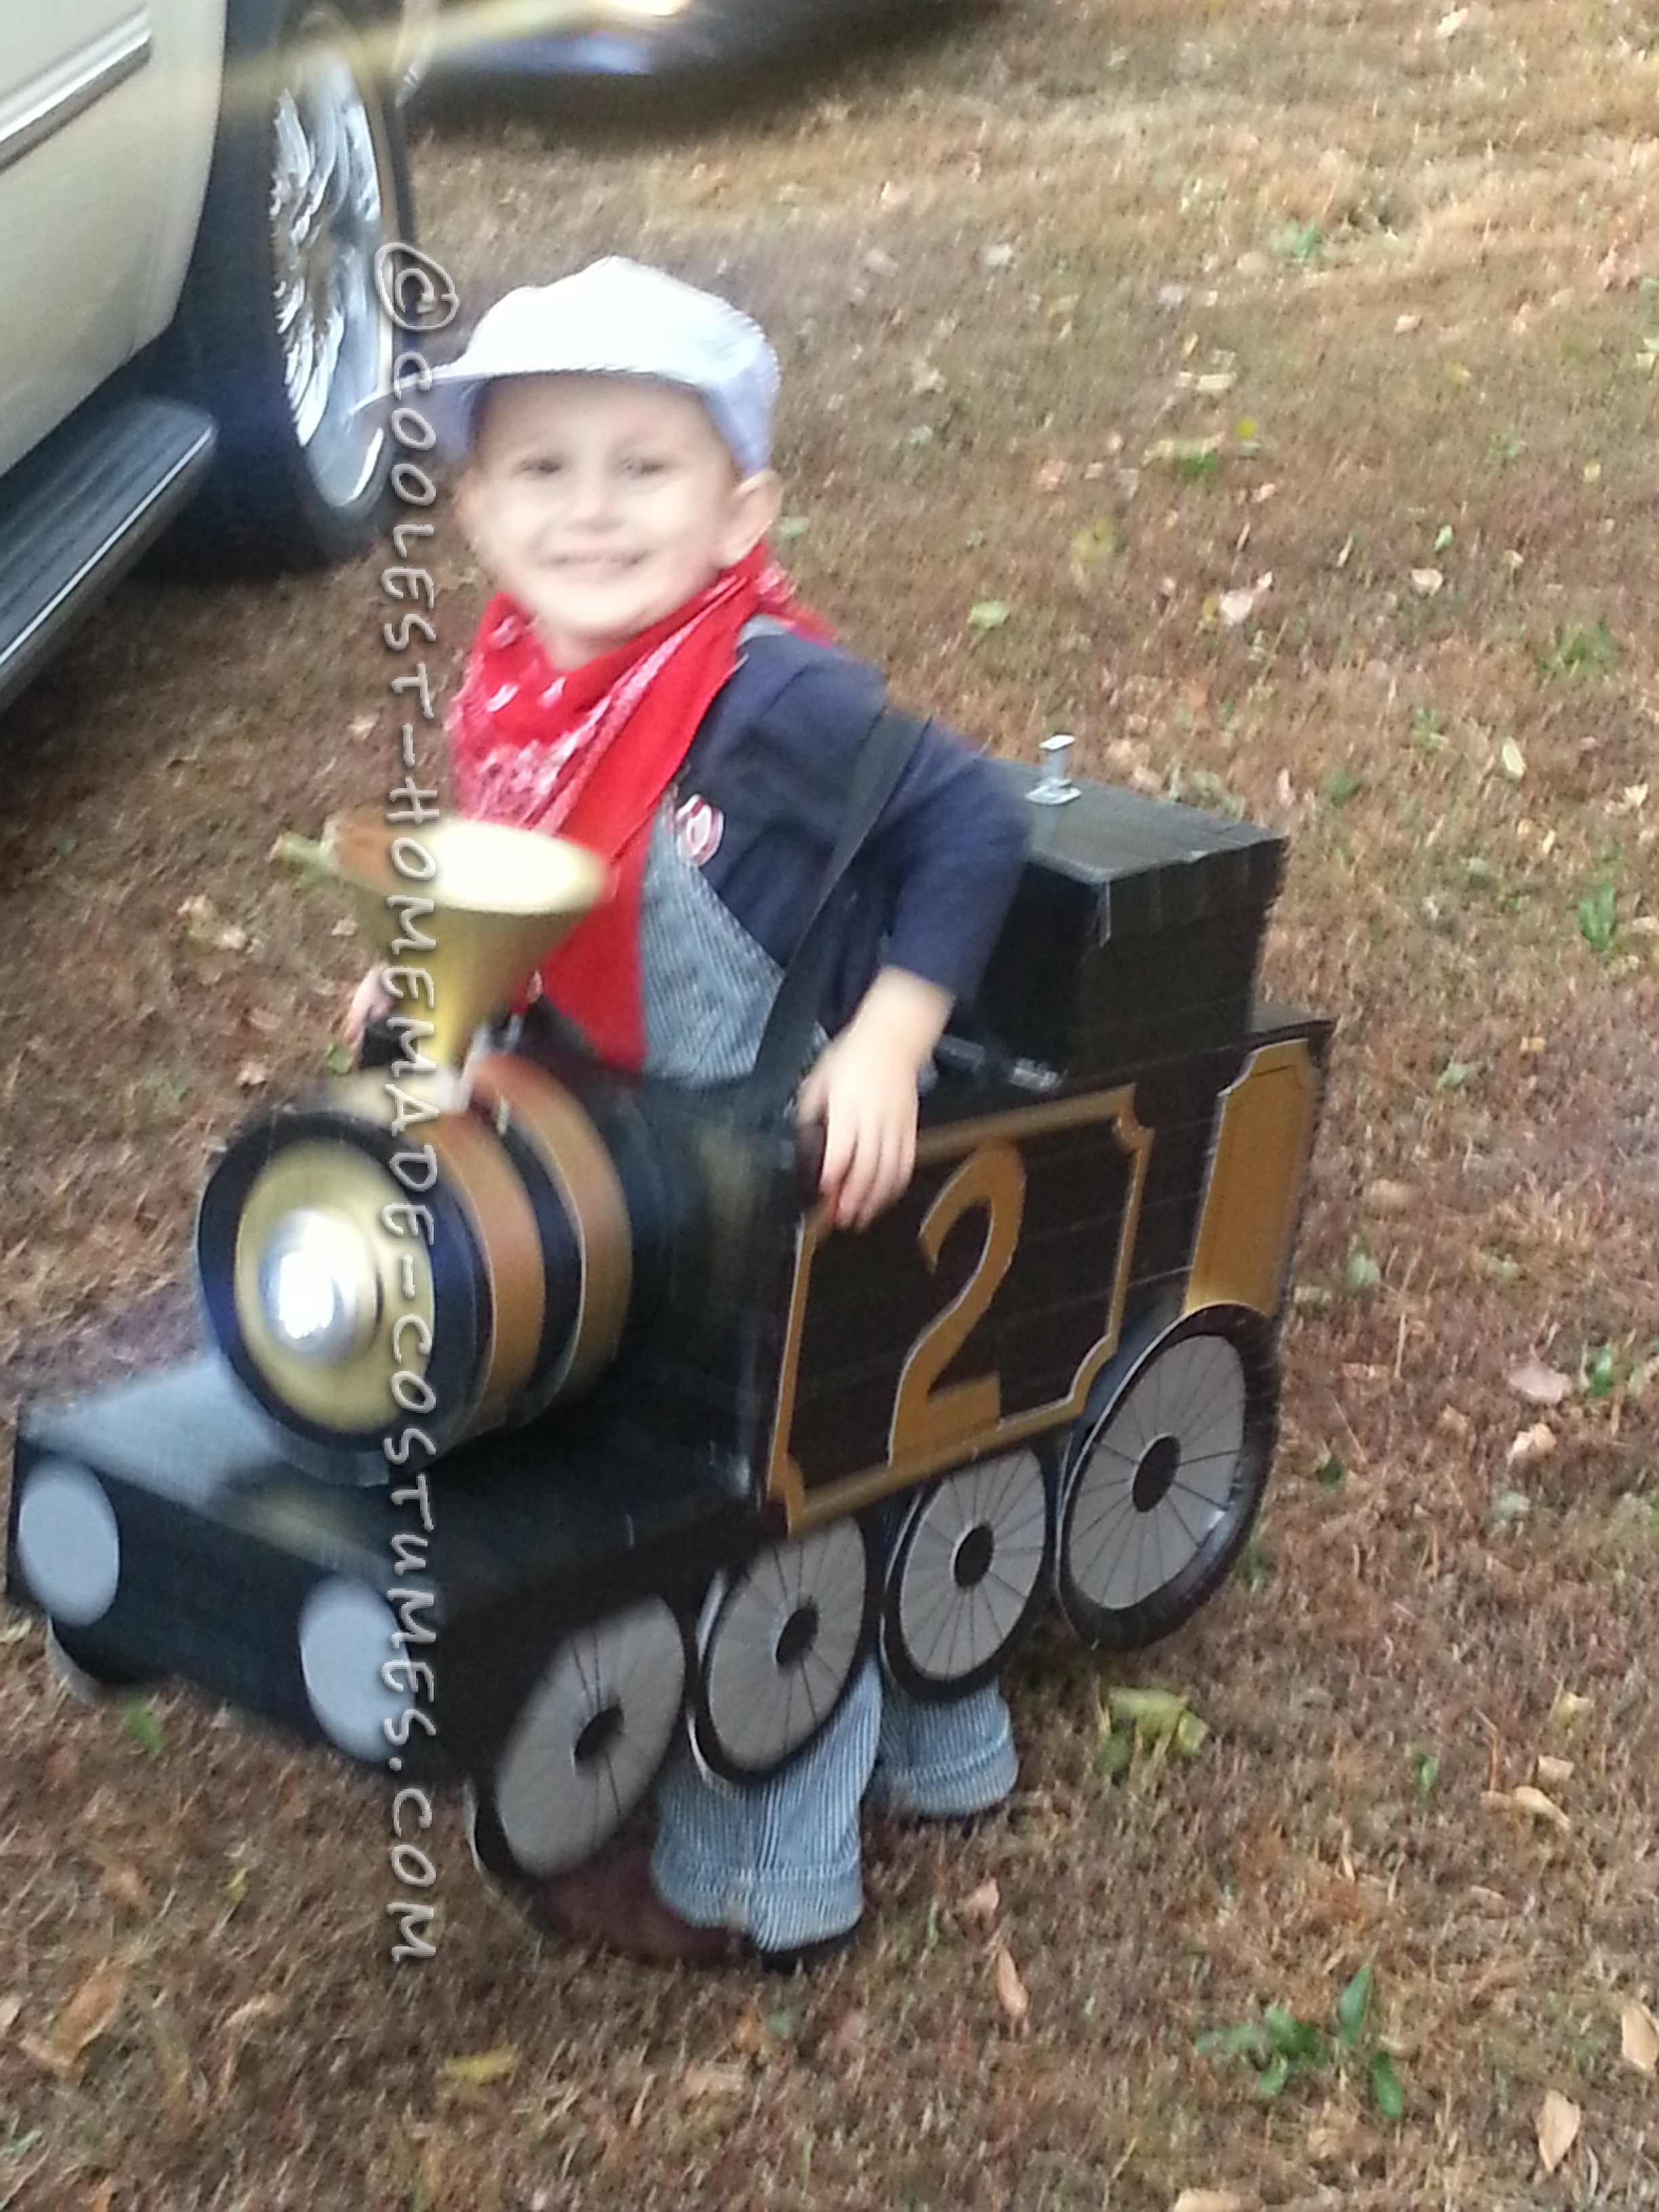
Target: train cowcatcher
544,1413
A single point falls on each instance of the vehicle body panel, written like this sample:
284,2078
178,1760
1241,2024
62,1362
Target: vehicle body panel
107,124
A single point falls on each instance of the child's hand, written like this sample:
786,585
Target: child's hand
369,1001
863,1089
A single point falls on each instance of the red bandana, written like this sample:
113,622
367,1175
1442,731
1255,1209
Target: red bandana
588,753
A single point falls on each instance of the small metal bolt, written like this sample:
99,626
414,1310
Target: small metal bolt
1054,787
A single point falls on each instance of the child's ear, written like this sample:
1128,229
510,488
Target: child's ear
755,505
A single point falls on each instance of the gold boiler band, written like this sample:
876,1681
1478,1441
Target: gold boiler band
510,1090
478,1174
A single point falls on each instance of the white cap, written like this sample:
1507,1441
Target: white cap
618,318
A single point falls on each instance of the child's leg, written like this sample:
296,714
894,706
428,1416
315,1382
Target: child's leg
941,1762
777,1859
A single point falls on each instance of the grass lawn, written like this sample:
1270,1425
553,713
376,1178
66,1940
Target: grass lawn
1285,372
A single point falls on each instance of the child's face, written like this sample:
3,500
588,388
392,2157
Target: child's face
601,503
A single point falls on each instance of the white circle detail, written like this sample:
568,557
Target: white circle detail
762,1702
68,1544
949,1628
591,1736
1194,1396
346,1639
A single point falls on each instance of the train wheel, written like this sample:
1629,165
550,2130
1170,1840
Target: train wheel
779,1643
1165,1477
964,1575
583,1750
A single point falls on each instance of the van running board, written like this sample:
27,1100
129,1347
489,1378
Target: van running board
81,510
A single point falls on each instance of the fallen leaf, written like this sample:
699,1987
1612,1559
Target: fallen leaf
1538,1383
1095,542
482,2066
89,2013
719,2079
1559,2122
1512,759
983,1905
1207,2200
1236,607
999,256
1638,2036
252,1074
1524,1798
1426,582
1155,1715
1183,453
1568,1707
1535,1443
9,2008
262,2008
1405,324
925,378
986,614
1555,1771
878,262
1449,25
1052,474
1010,1990
1385,1197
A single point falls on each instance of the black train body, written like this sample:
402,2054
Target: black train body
739,1448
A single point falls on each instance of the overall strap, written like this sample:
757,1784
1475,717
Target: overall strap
882,757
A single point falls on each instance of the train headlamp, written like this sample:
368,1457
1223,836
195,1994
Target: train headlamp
318,1287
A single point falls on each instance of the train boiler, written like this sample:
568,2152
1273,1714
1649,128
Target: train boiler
545,1414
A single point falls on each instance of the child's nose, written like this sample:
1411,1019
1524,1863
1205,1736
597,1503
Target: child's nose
593,496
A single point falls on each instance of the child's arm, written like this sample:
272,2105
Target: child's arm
368,1002
863,1088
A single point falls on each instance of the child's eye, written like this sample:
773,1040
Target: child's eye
540,465
639,466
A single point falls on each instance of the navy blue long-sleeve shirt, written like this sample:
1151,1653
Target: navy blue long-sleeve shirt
759,802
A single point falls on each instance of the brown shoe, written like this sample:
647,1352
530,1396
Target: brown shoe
610,1903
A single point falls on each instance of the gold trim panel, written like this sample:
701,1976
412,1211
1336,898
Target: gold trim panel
931,1430
1264,1133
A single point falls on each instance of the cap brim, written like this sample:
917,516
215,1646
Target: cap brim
447,404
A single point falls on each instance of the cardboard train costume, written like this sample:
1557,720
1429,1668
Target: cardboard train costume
544,1408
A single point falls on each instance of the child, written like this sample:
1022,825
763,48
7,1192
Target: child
645,683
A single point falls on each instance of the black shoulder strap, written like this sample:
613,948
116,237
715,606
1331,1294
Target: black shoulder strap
882,757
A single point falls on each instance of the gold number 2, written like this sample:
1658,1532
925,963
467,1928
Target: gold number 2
926,1419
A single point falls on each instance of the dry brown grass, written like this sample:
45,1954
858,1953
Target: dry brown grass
1421,252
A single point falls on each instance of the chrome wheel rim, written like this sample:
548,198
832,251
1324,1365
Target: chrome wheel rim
329,194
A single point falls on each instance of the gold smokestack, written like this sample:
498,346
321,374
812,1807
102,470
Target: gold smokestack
500,900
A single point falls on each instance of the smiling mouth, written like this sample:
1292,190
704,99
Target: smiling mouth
598,565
